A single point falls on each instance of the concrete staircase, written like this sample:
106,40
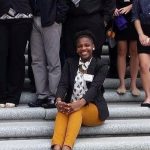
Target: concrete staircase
128,127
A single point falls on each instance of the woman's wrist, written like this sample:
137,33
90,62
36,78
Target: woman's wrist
58,100
83,101
140,33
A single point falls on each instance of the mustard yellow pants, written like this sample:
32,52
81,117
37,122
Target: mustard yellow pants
67,127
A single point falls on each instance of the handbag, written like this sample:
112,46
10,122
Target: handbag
121,22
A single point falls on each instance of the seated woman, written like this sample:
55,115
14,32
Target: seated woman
79,97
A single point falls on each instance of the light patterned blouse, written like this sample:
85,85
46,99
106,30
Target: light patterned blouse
80,87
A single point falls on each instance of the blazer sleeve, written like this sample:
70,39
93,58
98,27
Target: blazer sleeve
135,10
97,83
61,12
108,9
64,82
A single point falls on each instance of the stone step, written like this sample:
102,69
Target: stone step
110,96
117,111
105,143
42,128
108,83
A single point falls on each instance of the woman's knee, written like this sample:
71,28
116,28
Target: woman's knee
144,67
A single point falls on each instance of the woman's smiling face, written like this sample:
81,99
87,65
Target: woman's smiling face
85,48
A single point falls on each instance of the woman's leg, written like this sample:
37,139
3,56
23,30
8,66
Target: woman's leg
19,34
92,117
134,67
73,128
145,74
3,62
87,115
121,63
60,127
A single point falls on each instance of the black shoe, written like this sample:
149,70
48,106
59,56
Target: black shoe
145,104
38,103
49,104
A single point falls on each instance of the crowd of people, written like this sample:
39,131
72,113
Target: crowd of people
77,28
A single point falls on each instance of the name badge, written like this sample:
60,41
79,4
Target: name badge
126,0
88,77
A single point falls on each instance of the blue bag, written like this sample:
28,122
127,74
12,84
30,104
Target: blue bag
121,22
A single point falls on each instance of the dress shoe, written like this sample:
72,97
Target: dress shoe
10,105
145,105
2,105
38,103
49,104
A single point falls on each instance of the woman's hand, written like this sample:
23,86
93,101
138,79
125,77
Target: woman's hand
125,10
116,12
61,106
76,105
144,39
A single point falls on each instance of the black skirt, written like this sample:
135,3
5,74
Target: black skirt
141,48
128,33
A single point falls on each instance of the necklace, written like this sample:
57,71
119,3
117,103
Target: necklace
82,70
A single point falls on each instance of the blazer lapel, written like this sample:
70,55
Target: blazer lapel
91,68
74,69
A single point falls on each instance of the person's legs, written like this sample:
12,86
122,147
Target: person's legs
87,115
144,60
30,70
60,128
121,63
134,67
19,34
92,117
51,40
39,63
3,62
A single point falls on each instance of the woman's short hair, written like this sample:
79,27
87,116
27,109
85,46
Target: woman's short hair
84,33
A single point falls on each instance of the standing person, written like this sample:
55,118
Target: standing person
126,39
45,45
79,97
141,18
15,27
86,15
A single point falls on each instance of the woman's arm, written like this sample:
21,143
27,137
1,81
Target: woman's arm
144,39
108,9
125,10
64,82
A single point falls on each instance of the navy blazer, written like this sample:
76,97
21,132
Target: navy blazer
95,88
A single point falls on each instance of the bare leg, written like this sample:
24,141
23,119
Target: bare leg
56,147
65,147
145,74
121,63
134,66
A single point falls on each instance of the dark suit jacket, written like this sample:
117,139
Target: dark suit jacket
50,11
20,6
95,88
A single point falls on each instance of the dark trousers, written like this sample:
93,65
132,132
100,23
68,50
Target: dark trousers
93,23
13,39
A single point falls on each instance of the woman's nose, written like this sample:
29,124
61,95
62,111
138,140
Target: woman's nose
83,48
